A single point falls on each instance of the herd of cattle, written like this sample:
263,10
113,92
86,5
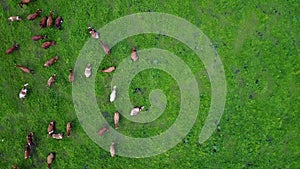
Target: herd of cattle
47,21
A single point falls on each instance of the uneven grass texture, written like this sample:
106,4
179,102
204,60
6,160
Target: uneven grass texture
258,43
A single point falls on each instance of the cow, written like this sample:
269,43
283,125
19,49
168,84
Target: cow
136,110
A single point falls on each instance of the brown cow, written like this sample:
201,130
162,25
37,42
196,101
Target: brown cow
51,128
24,69
71,76
51,80
13,48
108,70
102,130
50,19
116,119
47,44
43,22
50,159
34,15
112,149
24,2
105,48
51,61
69,128
134,56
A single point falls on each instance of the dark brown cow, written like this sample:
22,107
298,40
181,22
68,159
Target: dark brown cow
58,22
30,139
71,76
38,37
13,48
43,22
27,151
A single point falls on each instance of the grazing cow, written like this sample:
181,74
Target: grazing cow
69,128
24,69
24,2
58,22
43,22
108,70
51,128
71,76
113,94
15,18
116,119
38,37
50,19
94,34
105,48
112,149
58,136
136,110
47,44
34,15
13,48
134,56
102,130
51,61
51,80
50,159
88,70
29,139
27,151
23,91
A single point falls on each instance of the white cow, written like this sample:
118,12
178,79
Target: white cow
88,70
113,94
23,91
136,110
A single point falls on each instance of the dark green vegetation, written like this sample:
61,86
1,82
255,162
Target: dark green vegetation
258,43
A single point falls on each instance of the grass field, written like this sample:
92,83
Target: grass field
258,43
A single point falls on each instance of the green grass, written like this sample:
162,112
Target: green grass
258,43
